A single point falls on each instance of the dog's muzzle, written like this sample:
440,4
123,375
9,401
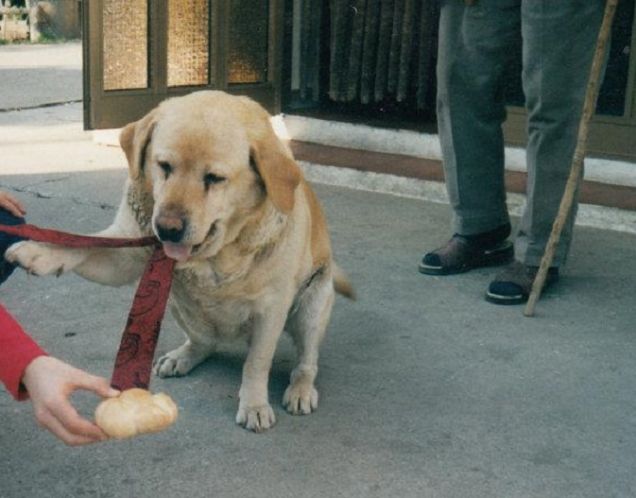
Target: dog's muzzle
171,230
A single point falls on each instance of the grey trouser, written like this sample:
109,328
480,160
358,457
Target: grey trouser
558,38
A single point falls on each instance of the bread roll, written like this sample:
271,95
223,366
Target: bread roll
135,411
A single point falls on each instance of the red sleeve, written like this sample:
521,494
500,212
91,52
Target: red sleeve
17,350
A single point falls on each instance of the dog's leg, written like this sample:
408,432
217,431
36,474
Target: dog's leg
198,346
105,266
255,412
307,327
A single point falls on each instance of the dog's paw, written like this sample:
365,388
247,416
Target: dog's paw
180,361
300,399
175,364
256,418
167,366
43,259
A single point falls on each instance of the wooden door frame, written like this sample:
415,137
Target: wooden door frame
115,108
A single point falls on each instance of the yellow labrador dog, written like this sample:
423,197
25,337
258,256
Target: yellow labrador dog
211,180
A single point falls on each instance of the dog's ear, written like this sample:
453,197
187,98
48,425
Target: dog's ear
280,173
134,139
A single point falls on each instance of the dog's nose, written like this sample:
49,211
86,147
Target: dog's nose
170,228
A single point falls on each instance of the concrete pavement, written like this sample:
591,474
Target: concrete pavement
34,75
426,389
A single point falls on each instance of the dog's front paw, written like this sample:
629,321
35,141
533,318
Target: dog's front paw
171,365
179,361
300,399
167,366
43,259
255,418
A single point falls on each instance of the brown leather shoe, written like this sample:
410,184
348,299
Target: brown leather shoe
463,253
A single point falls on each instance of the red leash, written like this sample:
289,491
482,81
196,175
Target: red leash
72,240
133,364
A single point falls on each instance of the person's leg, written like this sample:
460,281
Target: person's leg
475,43
6,218
559,39
559,43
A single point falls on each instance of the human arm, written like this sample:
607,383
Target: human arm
17,350
27,371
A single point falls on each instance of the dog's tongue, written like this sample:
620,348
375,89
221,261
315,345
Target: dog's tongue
180,252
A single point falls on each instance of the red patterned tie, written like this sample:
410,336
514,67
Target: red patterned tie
133,364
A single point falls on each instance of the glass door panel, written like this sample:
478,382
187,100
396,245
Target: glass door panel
248,36
125,44
188,43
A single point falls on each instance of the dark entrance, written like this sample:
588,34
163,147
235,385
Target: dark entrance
370,61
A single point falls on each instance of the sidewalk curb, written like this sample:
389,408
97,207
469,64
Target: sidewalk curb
600,217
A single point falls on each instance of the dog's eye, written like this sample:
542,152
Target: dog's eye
166,168
211,179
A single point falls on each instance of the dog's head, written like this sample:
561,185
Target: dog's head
211,161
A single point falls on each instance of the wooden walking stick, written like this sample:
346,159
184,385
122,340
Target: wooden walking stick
577,160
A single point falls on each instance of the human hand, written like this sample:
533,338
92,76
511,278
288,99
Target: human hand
11,204
49,383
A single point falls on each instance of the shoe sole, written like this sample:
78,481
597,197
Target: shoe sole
506,300
500,255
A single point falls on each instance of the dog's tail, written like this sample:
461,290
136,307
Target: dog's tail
342,284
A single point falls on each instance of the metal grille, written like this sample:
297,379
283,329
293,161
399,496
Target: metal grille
188,42
125,44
